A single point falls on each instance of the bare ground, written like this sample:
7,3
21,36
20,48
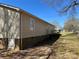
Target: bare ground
66,47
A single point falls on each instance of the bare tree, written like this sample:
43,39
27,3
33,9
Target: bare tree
64,6
71,25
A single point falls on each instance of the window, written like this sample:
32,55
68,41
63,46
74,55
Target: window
32,24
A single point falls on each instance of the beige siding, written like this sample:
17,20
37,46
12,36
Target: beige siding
9,23
1,22
40,27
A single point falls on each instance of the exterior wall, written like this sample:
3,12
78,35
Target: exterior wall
9,23
1,22
9,26
39,27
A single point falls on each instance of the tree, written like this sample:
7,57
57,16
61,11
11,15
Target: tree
64,6
71,25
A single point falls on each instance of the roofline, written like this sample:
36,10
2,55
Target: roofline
36,17
21,10
10,7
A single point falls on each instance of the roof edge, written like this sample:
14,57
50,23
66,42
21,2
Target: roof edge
21,10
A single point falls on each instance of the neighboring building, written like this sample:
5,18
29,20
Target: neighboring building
16,26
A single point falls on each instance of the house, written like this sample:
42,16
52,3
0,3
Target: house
21,29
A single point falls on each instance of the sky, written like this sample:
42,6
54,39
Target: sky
39,9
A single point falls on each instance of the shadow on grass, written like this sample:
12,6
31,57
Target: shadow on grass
49,40
40,41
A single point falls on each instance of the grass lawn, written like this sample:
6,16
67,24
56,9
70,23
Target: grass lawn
67,47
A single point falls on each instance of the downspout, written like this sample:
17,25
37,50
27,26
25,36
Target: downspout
6,23
20,34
